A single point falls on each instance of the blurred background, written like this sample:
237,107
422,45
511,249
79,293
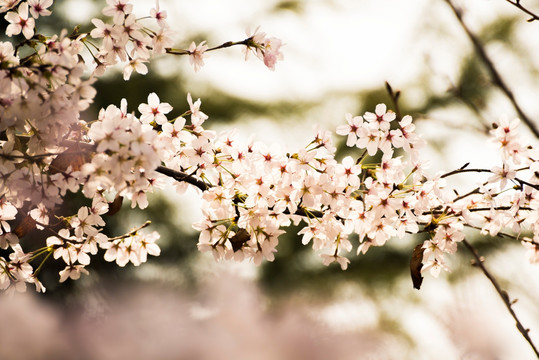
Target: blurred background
338,55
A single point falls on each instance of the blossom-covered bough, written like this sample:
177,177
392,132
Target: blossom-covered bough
251,191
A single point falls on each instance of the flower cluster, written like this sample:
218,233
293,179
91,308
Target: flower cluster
22,22
126,154
125,40
508,199
256,190
250,191
46,150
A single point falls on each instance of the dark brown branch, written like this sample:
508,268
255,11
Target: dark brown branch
459,171
495,75
307,213
180,176
474,191
522,182
440,211
503,294
498,208
517,3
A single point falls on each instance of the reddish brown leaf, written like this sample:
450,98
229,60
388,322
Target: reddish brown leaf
75,156
241,237
25,226
415,266
115,206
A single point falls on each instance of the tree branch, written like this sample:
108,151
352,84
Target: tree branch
180,176
521,7
495,75
503,294
458,171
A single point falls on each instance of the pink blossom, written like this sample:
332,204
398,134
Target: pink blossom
72,272
197,116
105,31
154,110
502,175
7,212
137,65
532,251
272,52
351,130
118,9
197,54
20,22
159,15
161,40
39,7
328,259
40,215
369,138
381,117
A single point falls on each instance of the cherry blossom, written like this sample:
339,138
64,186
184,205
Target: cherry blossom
72,272
380,117
196,54
502,175
328,259
137,65
40,215
118,9
154,110
20,22
39,7
159,15
7,212
265,48
351,129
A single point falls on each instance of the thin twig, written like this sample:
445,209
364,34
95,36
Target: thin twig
503,235
472,192
394,95
495,75
519,5
247,42
459,171
485,125
503,294
132,231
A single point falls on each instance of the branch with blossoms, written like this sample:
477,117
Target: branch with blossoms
250,191
265,48
126,32
150,145
44,146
